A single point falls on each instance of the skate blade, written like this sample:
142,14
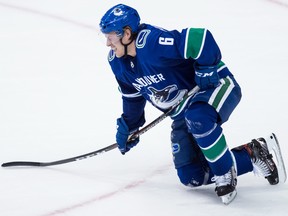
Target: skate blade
228,198
274,149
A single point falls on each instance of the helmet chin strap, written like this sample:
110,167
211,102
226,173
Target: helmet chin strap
126,48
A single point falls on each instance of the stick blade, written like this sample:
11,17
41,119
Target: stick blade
21,163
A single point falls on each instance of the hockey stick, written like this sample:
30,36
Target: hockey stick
108,148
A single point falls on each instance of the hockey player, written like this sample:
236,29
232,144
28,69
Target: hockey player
160,66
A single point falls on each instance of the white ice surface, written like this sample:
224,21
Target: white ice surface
58,99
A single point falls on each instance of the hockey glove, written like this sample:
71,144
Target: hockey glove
206,77
122,136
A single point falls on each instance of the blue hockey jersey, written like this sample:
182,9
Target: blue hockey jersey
163,69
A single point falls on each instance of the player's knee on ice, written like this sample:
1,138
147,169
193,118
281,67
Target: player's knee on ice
193,175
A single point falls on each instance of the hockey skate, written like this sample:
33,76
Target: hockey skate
226,186
267,159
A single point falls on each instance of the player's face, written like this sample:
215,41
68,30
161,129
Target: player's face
113,41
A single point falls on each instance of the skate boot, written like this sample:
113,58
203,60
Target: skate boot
226,186
262,160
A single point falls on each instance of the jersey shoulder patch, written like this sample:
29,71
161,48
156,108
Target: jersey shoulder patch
141,38
111,55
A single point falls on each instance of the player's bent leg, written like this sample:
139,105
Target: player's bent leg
189,161
202,121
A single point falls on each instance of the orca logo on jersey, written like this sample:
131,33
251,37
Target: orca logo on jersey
162,98
141,38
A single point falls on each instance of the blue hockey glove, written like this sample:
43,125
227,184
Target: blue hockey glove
206,77
122,136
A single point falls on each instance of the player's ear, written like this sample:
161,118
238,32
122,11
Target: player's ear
127,33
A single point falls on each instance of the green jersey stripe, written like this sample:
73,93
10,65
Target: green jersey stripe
221,93
194,43
215,151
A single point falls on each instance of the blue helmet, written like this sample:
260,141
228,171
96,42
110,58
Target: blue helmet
118,17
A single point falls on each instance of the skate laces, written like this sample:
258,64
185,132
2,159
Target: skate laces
261,157
223,180
260,168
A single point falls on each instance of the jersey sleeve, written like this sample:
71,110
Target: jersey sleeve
201,46
133,105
